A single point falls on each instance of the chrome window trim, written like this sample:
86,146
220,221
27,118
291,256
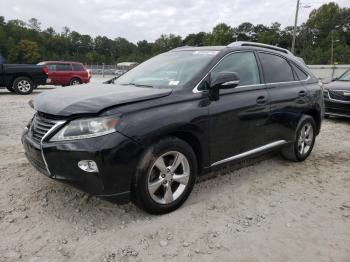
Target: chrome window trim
53,128
250,152
195,89
295,81
336,100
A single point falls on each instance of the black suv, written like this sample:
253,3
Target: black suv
174,117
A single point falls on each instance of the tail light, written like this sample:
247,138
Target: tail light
46,70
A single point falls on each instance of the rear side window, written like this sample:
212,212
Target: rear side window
244,64
300,74
276,69
63,67
78,67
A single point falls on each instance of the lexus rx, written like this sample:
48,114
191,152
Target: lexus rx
179,115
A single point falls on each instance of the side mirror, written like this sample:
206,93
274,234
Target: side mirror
225,80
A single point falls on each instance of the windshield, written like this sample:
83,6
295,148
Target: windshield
168,70
345,76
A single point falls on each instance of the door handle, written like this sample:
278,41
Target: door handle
302,93
261,100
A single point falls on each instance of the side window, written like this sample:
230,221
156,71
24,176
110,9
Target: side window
301,74
276,69
63,67
244,64
77,67
51,67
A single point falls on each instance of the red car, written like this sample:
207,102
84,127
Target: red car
66,73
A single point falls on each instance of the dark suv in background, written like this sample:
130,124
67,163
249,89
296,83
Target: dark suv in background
174,117
337,96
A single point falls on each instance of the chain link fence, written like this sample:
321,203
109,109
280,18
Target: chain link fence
102,69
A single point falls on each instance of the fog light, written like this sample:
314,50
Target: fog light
88,166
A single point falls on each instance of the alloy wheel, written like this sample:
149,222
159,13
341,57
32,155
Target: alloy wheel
23,86
305,139
75,82
168,177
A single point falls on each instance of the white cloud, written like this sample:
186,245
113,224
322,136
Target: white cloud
148,19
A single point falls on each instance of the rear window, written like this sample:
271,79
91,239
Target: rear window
63,67
301,74
276,69
78,67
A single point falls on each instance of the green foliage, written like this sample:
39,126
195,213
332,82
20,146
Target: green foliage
27,42
27,51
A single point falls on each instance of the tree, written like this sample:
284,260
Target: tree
222,34
28,52
34,24
25,42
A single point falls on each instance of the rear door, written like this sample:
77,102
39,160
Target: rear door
64,73
288,96
79,70
238,119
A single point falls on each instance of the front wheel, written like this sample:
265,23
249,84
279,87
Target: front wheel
23,85
305,141
165,176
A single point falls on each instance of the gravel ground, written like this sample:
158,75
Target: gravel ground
270,211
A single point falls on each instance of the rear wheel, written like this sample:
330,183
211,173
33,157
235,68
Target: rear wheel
165,176
75,81
23,85
305,140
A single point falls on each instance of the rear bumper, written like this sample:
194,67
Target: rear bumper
115,155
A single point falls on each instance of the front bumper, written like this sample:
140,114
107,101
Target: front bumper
115,155
337,108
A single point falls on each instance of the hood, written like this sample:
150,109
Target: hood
92,98
337,85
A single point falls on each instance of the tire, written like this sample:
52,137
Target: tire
74,81
23,85
11,89
304,141
159,187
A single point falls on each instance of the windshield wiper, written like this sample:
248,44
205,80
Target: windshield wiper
139,85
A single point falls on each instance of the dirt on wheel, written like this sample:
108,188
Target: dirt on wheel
274,210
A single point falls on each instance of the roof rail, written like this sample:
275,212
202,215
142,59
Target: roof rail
272,47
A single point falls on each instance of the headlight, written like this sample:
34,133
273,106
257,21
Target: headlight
86,128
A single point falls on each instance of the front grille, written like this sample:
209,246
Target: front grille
40,126
339,95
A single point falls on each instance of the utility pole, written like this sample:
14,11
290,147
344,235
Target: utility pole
295,25
332,48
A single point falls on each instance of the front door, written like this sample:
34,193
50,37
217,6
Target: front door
238,120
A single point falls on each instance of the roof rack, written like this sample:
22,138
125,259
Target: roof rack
272,47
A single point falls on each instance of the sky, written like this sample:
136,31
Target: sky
147,19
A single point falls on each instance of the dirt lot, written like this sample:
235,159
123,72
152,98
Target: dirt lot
272,211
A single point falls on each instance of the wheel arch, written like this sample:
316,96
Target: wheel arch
194,142
75,77
316,115
20,75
